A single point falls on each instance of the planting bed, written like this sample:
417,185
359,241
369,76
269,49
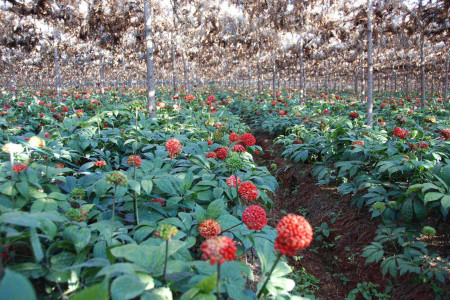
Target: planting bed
100,201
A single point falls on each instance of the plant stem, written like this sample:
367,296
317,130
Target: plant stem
11,158
114,209
218,281
165,261
228,229
46,167
99,133
238,201
268,276
136,209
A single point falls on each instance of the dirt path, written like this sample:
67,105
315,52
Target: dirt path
335,260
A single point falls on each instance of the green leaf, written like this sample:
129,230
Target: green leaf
49,228
7,188
79,237
166,186
445,202
389,264
44,204
135,253
147,280
419,210
118,269
101,187
19,218
227,221
147,186
96,292
35,193
200,214
126,287
142,233
216,207
22,187
29,269
60,266
407,211
433,196
36,245
445,174
208,284
245,269
162,293
217,192
135,186
58,196
14,286
186,219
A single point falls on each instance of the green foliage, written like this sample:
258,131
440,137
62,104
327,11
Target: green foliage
368,290
402,181
63,202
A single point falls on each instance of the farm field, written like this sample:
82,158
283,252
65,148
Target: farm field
199,150
94,187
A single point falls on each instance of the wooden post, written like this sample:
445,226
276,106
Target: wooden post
363,88
370,66
274,73
151,104
446,82
422,59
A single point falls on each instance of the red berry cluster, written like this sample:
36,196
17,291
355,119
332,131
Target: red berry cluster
209,142
401,133
254,217
6,254
79,113
419,145
231,181
218,249
212,155
174,148
234,137
360,143
19,168
158,200
294,233
99,163
209,228
222,153
189,98
354,115
238,148
248,139
134,160
445,134
248,191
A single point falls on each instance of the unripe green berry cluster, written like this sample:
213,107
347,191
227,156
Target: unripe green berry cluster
234,162
379,206
166,231
117,178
